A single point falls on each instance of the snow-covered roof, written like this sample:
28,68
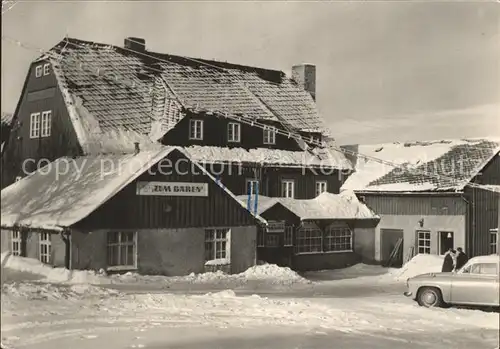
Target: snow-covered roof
110,80
490,187
68,190
443,165
268,157
325,206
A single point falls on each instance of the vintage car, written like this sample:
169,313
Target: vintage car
475,284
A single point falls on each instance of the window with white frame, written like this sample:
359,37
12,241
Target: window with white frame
288,188
35,125
273,240
493,241
122,249
252,186
321,187
46,123
338,239
16,243
269,135
196,129
309,239
233,132
38,71
45,248
423,241
46,69
217,244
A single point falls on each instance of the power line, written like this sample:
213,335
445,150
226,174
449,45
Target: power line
250,121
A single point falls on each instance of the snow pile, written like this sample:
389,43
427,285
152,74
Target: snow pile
272,272
267,273
420,264
50,274
39,291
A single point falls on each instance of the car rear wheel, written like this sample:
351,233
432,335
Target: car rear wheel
430,297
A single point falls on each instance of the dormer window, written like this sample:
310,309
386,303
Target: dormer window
269,135
233,132
196,129
46,69
38,71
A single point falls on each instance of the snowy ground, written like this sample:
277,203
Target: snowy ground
256,310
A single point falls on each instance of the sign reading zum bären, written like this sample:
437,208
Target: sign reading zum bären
172,188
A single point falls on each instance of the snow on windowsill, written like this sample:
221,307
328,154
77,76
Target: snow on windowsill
219,261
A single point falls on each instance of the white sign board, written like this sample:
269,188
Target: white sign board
172,189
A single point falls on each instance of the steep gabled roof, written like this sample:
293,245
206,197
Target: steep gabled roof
149,86
444,165
54,199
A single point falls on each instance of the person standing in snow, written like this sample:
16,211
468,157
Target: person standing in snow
462,258
449,261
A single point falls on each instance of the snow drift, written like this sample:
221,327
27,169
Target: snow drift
269,273
420,264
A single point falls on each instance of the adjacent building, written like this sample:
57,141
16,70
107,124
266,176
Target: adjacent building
433,198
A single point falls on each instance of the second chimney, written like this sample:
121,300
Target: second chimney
135,44
305,76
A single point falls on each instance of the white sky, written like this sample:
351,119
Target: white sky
386,71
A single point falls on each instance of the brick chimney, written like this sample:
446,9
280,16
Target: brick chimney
135,44
305,76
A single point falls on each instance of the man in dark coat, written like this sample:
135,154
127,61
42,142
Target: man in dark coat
448,263
461,258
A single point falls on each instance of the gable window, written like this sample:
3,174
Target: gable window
321,187
16,243
35,125
233,132
217,244
424,242
46,69
269,135
338,239
196,129
288,188
122,250
45,248
46,123
252,186
38,71
493,241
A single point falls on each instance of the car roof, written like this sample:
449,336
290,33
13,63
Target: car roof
492,258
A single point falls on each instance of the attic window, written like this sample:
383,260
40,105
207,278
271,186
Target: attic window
38,71
269,135
196,129
46,69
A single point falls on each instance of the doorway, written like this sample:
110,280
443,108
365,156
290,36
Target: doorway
388,240
446,241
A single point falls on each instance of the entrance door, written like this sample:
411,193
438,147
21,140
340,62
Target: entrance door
446,241
388,240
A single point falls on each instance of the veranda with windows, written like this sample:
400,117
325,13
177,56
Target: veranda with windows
314,234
